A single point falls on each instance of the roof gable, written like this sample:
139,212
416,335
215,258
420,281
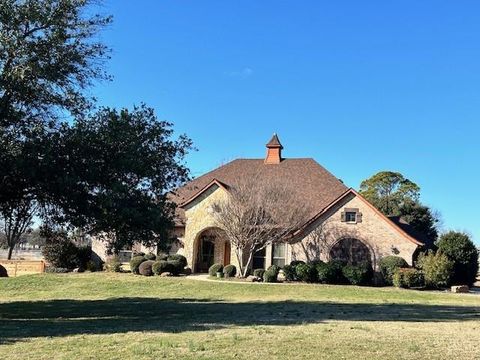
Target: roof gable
311,184
351,191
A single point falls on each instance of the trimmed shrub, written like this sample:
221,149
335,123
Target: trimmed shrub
331,272
212,271
187,271
460,249
3,271
229,271
274,268
258,273
408,278
60,252
270,275
437,269
151,256
138,253
135,263
290,273
306,273
176,267
145,268
388,265
163,257
297,262
361,274
178,257
113,264
161,266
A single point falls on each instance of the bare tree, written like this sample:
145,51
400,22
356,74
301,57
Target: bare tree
257,213
16,220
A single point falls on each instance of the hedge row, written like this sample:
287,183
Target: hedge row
146,265
332,272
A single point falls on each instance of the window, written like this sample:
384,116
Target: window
259,259
278,254
351,251
351,216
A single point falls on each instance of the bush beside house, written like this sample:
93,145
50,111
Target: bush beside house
437,269
460,249
145,268
229,271
214,269
389,265
135,263
408,278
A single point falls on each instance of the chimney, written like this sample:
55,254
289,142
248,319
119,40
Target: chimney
274,151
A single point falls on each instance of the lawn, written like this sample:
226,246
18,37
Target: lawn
112,316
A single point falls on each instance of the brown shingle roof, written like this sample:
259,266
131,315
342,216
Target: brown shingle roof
312,184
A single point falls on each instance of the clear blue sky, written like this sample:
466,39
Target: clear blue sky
359,86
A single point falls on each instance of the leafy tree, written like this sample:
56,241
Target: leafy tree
460,249
60,251
48,58
121,165
422,219
394,195
388,191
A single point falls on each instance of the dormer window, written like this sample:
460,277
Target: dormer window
351,216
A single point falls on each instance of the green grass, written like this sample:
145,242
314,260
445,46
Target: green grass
111,316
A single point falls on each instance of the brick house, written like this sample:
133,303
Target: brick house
342,225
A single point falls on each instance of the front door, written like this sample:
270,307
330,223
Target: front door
226,253
206,255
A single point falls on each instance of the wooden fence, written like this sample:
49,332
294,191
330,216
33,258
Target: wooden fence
23,267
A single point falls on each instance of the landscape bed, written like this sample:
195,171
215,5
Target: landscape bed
105,315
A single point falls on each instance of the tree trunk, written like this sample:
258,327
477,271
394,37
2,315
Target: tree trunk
10,251
247,265
239,255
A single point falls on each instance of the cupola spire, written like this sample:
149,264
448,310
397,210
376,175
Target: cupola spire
274,151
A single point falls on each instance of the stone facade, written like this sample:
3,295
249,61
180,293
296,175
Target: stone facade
378,234
199,220
381,237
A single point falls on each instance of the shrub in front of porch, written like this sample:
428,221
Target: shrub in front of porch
180,258
212,271
258,273
271,274
229,271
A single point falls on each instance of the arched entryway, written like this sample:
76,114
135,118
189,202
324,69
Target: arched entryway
351,251
211,246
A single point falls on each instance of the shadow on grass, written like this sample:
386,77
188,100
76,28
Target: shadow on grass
24,319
